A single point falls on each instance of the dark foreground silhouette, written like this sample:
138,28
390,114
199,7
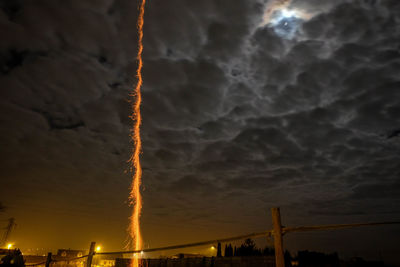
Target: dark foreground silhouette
11,258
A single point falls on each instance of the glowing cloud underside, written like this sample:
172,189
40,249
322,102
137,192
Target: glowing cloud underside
135,198
277,10
272,7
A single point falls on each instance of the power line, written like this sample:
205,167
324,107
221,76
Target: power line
197,244
229,239
332,226
252,235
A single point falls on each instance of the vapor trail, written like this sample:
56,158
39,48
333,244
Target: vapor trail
135,198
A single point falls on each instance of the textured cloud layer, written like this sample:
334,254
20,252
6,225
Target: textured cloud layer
236,117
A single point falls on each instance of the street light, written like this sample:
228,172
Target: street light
98,248
9,246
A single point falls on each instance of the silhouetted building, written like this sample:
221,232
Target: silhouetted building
105,260
70,253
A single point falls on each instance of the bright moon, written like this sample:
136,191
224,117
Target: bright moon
284,21
274,14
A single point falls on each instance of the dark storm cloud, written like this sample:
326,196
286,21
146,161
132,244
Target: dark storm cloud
232,112
64,110
315,107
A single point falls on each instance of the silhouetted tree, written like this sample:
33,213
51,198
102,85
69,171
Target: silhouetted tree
228,251
268,251
288,259
248,248
219,252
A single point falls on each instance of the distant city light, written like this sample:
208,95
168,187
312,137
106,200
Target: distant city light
212,247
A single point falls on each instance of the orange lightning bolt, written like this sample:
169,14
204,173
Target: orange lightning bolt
135,198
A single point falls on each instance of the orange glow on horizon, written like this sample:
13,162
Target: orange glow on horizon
135,198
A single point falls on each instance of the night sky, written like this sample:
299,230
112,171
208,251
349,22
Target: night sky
245,107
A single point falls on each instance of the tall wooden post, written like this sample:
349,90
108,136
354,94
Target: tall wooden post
91,253
278,241
48,260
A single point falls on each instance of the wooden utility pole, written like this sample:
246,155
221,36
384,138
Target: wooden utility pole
48,260
278,241
90,255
